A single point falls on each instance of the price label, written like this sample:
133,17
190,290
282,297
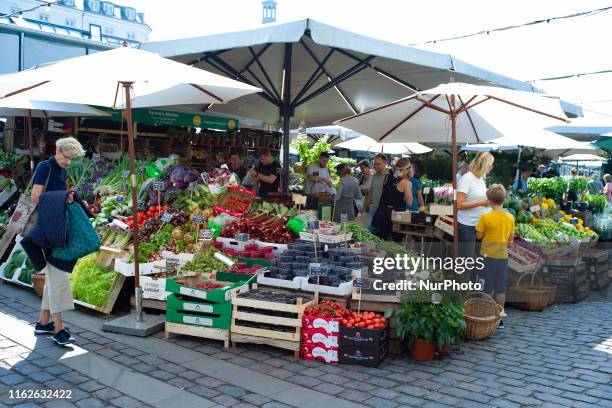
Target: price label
316,269
158,186
343,217
534,208
192,185
204,176
125,173
124,187
207,234
142,206
120,199
242,237
362,283
142,171
167,217
99,181
298,199
198,219
426,190
172,264
313,225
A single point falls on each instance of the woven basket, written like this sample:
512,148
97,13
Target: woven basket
531,297
482,316
38,282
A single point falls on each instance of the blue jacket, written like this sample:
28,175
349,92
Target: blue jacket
50,231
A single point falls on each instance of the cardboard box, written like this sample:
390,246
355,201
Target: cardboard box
318,324
423,218
320,353
401,216
363,338
369,357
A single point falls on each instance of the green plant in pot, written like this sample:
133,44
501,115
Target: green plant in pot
426,326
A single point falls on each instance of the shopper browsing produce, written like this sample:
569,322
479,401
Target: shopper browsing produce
417,190
365,180
376,187
496,230
50,193
520,184
396,196
472,202
267,173
607,190
318,177
348,193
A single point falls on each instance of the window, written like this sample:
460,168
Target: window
109,30
131,36
94,5
43,17
130,14
70,22
108,9
95,32
69,3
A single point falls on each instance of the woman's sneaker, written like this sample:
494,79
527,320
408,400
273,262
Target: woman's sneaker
48,328
63,338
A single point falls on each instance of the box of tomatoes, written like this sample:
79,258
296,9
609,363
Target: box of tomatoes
364,330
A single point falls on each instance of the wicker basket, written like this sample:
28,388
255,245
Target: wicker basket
482,316
38,282
531,297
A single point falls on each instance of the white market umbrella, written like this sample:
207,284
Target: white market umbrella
146,80
456,113
367,144
20,106
581,158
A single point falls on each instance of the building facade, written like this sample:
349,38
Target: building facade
66,29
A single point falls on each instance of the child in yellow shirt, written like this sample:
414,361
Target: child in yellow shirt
496,229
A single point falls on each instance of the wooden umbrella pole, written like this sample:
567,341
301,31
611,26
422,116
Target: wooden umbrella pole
454,177
138,295
31,138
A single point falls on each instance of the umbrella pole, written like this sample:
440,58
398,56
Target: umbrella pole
454,177
31,142
518,171
138,290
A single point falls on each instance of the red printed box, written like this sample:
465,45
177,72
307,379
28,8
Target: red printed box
318,339
320,353
325,325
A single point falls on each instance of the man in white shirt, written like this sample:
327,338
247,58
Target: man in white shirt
318,177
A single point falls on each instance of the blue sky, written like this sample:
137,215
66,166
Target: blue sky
558,48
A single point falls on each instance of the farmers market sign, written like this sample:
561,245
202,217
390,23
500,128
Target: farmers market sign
165,118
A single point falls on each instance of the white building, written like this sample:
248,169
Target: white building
95,20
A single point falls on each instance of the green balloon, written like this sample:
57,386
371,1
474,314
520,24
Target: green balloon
154,172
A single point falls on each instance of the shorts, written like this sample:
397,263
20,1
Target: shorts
494,276
57,294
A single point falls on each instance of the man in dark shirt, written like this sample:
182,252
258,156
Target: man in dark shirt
267,173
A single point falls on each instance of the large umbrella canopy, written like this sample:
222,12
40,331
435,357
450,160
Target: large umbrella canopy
367,144
483,113
20,106
534,138
582,158
141,78
604,142
95,79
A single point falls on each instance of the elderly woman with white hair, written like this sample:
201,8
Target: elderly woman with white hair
50,181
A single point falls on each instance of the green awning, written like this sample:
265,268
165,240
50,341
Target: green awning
604,143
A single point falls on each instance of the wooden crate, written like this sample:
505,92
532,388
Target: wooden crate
413,229
289,340
198,331
113,294
445,224
107,256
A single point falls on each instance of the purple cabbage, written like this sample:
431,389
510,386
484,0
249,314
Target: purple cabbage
180,184
177,173
191,176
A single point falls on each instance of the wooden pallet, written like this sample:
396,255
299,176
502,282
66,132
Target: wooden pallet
198,331
412,229
289,340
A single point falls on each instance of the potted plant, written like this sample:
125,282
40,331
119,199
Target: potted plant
427,326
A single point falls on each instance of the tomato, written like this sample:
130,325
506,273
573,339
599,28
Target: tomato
350,325
370,327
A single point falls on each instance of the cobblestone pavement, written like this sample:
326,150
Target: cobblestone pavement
561,357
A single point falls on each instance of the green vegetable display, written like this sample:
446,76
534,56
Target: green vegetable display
204,262
598,202
90,281
554,187
359,233
16,260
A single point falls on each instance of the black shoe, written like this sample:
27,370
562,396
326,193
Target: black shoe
63,338
48,328
501,324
